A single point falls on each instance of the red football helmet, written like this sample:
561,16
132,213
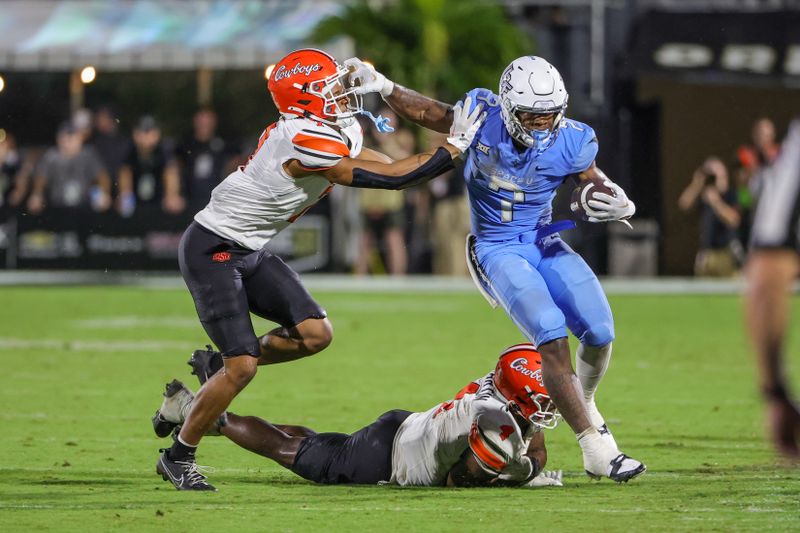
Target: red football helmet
518,378
310,83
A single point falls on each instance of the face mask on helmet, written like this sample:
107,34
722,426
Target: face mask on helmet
340,102
518,379
532,85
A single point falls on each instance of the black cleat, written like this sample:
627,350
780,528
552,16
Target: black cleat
184,475
205,363
160,426
623,468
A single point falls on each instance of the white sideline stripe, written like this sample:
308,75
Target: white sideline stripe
346,283
9,343
136,321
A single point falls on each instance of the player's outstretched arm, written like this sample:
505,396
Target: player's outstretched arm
407,103
371,174
416,107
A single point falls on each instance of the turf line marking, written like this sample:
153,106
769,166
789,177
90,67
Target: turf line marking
92,345
137,321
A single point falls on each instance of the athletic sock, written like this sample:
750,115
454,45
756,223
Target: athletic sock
595,448
595,417
591,363
185,410
180,451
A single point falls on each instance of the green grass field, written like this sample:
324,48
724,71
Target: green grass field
84,369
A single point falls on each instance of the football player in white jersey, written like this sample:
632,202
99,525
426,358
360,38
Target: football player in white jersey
316,144
490,433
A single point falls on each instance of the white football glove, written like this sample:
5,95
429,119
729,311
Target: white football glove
548,478
369,80
518,470
607,208
465,124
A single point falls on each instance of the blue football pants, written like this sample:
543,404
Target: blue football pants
545,287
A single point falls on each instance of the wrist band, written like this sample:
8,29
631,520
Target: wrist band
388,87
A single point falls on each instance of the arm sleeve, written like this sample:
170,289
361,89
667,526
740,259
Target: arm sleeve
317,149
436,165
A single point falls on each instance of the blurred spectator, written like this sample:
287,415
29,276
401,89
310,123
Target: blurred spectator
382,211
82,121
751,158
451,219
205,159
149,175
10,164
719,219
111,145
70,175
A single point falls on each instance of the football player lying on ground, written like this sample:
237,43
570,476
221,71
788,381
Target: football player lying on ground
314,145
490,434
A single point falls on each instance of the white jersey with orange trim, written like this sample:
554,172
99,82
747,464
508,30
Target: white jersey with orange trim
427,445
257,200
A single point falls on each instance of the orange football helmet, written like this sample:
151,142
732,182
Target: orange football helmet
518,378
311,84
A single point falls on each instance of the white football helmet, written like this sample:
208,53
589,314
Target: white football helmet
533,85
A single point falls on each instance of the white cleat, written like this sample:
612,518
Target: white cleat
177,402
620,469
602,460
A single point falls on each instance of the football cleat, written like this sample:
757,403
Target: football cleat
205,363
173,410
184,475
621,469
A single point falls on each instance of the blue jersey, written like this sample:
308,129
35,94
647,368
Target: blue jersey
511,192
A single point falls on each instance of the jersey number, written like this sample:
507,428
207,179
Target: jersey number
506,206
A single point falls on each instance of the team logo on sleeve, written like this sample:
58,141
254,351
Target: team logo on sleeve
221,257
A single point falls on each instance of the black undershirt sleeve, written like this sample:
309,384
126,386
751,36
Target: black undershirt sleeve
440,162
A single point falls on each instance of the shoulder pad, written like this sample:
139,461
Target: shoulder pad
482,96
582,144
318,147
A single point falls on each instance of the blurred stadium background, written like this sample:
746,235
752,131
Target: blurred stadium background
666,84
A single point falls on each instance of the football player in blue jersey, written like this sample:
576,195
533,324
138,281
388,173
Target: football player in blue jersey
524,150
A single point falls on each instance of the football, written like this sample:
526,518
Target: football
584,192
